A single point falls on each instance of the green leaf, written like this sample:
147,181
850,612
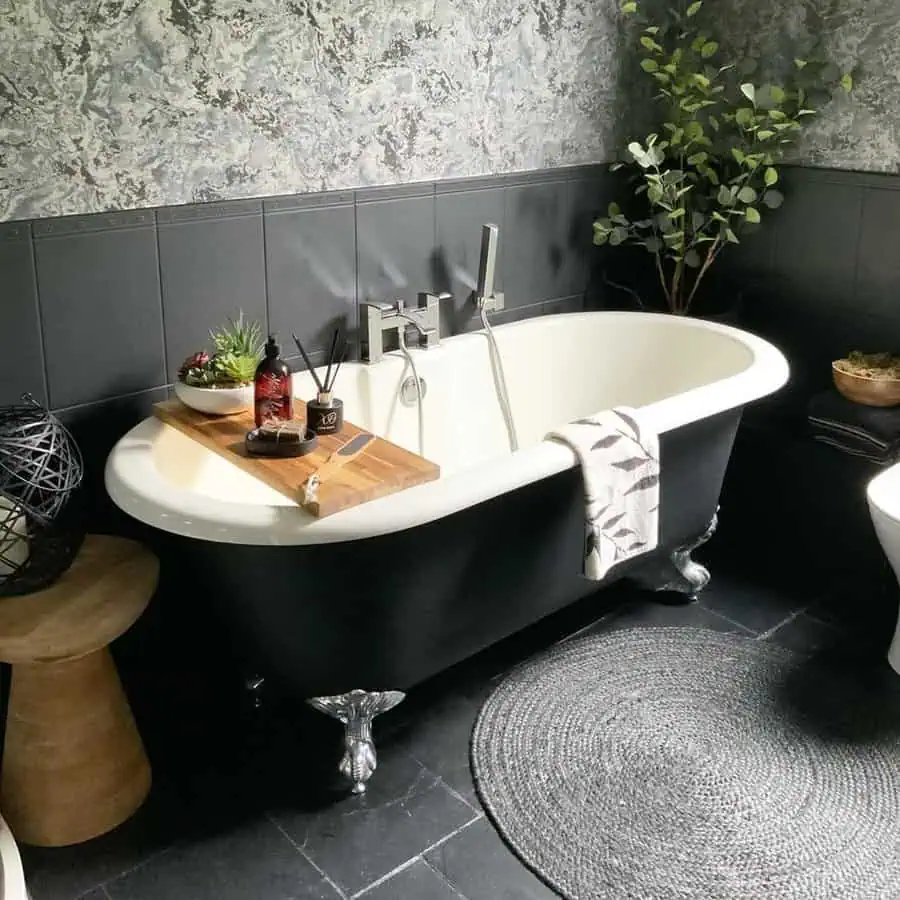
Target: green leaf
738,155
629,7
724,196
649,43
714,122
710,175
744,116
847,82
653,244
652,29
731,237
677,213
698,158
718,217
764,134
709,49
613,210
618,236
747,195
616,166
752,214
702,80
806,112
655,193
692,259
777,93
694,8
601,238
749,91
771,176
800,63
773,199
777,115
649,65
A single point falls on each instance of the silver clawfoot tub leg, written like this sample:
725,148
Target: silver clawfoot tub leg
681,573
356,710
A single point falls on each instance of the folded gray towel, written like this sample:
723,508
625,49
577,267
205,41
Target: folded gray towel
831,413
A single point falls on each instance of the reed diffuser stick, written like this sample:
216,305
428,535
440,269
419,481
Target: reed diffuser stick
309,364
337,368
334,338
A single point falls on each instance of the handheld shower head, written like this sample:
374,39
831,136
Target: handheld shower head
487,265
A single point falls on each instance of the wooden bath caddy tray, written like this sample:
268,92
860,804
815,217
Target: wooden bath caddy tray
382,468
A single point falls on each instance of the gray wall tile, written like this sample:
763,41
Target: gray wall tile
589,195
536,252
818,229
311,263
878,270
460,217
101,314
396,255
210,269
21,356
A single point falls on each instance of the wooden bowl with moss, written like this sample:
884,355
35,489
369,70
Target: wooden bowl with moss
872,379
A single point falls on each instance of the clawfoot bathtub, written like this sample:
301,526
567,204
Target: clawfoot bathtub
351,609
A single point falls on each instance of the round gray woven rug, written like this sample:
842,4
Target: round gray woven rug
674,764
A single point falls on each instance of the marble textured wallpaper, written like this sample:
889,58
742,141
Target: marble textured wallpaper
128,103
118,104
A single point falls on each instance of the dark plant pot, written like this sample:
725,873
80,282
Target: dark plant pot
630,282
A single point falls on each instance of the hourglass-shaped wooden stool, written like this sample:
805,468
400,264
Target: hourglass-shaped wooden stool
74,766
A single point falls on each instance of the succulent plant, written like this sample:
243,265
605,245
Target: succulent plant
237,368
240,337
238,349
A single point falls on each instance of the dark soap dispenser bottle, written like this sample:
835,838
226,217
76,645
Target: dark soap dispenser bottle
273,397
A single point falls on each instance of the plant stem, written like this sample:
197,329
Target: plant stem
710,259
662,278
675,304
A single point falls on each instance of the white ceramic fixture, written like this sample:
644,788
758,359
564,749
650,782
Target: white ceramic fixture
219,401
558,368
12,878
883,495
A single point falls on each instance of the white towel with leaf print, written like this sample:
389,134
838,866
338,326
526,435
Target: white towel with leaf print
619,458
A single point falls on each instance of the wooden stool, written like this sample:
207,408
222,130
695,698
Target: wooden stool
74,766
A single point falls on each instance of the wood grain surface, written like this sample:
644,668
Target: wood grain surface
382,468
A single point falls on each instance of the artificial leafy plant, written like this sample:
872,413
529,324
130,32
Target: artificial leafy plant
711,167
238,350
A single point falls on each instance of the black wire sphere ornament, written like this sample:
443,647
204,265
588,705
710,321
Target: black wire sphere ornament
40,470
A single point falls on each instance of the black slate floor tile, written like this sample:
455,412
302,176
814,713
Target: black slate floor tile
61,873
359,839
649,613
252,861
806,635
753,606
439,739
481,867
416,882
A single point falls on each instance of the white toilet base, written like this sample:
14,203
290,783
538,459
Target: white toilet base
893,654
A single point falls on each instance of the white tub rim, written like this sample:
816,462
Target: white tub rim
136,486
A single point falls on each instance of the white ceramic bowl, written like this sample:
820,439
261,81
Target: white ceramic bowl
215,401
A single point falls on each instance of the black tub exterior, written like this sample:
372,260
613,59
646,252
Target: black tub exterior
390,611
